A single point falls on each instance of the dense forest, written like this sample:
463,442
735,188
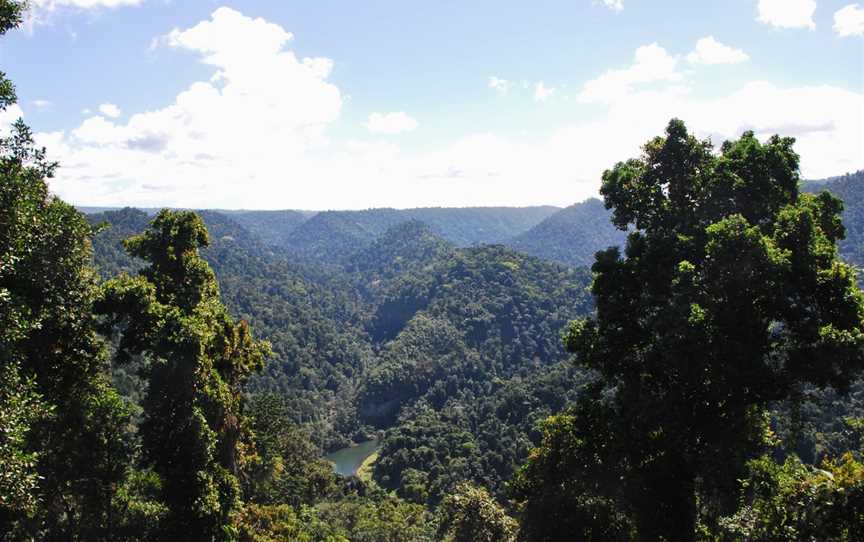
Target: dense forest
679,361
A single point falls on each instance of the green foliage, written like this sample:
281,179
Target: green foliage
478,436
331,236
793,501
275,523
571,236
20,407
470,514
193,434
272,227
850,189
568,489
11,15
67,442
384,520
139,507
288,470
463,323
729,296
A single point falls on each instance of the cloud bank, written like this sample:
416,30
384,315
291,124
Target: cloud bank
257,134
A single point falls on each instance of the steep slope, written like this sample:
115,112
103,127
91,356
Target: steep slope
478,314
571,236
474,361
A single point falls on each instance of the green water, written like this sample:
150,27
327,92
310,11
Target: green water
347,460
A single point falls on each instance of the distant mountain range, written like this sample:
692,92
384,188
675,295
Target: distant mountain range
329,237
570,236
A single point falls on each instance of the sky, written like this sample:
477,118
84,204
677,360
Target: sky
353,104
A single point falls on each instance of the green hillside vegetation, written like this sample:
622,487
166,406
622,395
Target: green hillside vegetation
850,189
179,375
728,298
272,227
456,352
572,235
330,236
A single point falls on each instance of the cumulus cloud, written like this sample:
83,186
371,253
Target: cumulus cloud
616,5
390,123
110,110
254,121
652,64
710,51
255,135
42,104
787,13
849,21
501,85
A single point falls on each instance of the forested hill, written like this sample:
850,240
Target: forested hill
450,355
329,236
849,188
271,226
407,327
572,235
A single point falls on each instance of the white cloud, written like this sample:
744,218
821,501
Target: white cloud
41,10
256,136
710,51
390,123
652,64
503,86
259,121
541,93
42,104
787,13
617,5
110,110
849,21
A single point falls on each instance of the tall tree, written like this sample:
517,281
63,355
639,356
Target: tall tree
729,295
194,433
62,429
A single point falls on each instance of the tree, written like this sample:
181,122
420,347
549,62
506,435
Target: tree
470,514
729,295
565,491
63,431
194,434
793,501
288,468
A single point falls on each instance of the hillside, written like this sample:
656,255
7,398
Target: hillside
407,315
468,226
330,236
272,227
572,235
849,188
451,355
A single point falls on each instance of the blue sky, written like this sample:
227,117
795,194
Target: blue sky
355,104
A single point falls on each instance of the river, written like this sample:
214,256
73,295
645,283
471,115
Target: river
347,460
